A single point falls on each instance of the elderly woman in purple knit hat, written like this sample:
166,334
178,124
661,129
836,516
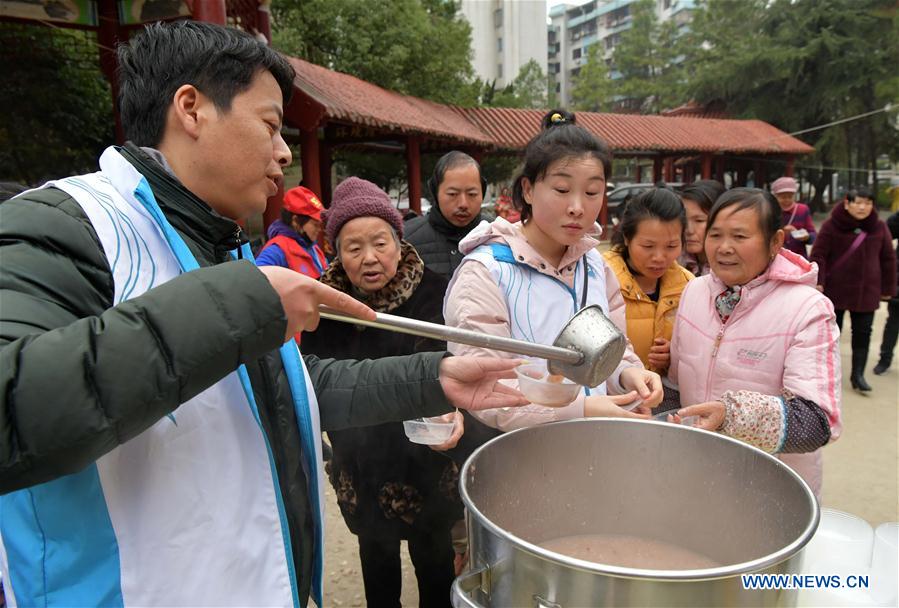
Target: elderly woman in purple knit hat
388,489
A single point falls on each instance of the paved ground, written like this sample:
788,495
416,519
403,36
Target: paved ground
861,468
860,477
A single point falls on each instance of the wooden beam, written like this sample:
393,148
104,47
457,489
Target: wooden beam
273,209
669,169
309,159
108,36
353,141
324,159
304,112
690,172
791,166
706,165
413,172
719,168
210,11
264,19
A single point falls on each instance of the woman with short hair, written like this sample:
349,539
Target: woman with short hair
755,350
856,270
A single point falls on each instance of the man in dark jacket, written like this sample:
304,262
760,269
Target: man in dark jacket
156,446
457,190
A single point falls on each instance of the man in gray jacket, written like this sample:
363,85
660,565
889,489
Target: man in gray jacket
158,444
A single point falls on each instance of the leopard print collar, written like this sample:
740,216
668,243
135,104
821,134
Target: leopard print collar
393,295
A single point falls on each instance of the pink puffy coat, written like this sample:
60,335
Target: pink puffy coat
780,341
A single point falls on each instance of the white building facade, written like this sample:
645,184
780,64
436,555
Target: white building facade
505,35
574,29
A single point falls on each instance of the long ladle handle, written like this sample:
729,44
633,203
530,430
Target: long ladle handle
460,336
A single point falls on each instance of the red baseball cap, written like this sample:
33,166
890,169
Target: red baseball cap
302,201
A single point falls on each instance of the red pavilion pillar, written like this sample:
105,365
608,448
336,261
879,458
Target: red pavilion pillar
413,172
210,11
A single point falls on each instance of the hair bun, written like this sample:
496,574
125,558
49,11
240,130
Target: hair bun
557,118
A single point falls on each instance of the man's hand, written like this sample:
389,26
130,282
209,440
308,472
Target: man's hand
301,295
660,354
647,384
711,414
472,383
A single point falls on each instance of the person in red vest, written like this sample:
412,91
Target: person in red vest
292,239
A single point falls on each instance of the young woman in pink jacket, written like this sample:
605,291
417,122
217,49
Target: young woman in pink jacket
525,280
755,349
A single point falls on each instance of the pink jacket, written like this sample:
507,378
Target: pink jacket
780,341
475,302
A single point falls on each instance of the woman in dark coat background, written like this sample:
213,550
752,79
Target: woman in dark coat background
388,488
891,327
856,270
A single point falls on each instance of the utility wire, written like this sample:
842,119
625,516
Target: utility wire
885,108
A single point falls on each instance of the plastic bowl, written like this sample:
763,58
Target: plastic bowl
427,431
539,387
885,564
843,537
632,405
684,421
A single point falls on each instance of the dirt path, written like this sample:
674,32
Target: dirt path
860,476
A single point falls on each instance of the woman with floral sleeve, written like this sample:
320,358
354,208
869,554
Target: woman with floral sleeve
755,349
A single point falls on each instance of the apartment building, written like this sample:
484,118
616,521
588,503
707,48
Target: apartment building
573,29
505,35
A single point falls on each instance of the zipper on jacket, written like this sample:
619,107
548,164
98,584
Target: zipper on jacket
234,241
239,240
708,380
717,342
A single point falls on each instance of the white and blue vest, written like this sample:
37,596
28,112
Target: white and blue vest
189,512
539,305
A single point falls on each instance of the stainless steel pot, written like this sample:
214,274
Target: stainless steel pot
694,489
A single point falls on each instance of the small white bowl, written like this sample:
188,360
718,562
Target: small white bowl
539,387
428,431
842,536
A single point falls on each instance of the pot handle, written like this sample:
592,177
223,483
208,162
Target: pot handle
465,584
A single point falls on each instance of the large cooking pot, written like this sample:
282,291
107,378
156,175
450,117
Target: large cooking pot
694,489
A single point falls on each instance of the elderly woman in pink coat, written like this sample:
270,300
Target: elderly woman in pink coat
755,349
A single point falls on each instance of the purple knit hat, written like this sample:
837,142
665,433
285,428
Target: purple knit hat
355,197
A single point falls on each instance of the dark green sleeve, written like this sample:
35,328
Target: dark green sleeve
78,376
363,393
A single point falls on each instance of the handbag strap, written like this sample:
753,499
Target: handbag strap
842,259
793,215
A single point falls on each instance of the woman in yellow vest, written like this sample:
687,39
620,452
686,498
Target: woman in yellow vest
644,258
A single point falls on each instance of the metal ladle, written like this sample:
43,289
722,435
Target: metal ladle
586,351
